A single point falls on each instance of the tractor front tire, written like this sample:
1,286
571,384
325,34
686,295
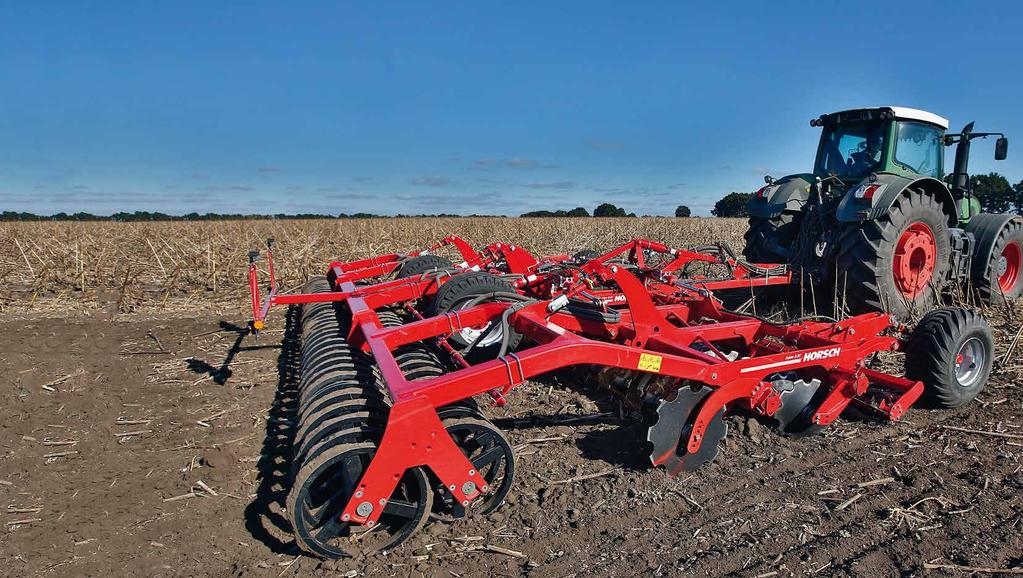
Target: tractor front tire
951,352
770,240
898,262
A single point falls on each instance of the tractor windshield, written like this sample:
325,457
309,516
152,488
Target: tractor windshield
852,150
918,148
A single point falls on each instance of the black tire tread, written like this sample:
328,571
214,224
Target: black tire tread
762,232
931,351
475,283
986,283
422,264
863,246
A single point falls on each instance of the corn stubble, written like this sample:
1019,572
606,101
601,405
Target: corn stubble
162,263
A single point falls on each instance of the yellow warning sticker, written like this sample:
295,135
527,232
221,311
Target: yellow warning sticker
648,362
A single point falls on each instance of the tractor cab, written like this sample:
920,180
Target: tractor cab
904,141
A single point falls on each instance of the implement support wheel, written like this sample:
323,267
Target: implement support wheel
951,352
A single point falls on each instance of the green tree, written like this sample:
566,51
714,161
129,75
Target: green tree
732,205
683,211
1017,197
608,210
576,212
994,192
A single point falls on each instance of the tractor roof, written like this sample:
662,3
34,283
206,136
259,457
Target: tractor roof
917,114
899,112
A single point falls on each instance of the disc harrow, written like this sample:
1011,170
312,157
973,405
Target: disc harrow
399,351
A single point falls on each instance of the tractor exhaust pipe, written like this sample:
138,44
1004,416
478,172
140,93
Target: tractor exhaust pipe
960,175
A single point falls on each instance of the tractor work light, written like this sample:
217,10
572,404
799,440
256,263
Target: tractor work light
764,192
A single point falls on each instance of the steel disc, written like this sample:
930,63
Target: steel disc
669,434
798,402
353,391
337,382
355,433
797,396
331,426
338,409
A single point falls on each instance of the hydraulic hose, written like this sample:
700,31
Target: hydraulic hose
722,248
521,301
790,321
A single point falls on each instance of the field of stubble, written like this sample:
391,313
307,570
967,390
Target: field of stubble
156,263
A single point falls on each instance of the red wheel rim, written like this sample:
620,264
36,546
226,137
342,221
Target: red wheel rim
1009,265
913,262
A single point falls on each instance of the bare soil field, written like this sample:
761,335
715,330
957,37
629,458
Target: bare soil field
142,433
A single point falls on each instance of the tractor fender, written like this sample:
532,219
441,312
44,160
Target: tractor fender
851,209
985,228
785,194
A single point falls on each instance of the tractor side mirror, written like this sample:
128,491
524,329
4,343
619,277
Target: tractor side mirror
1001,149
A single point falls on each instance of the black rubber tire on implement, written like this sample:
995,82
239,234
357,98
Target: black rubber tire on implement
866,250
985,272
422,264
765,235
935,349
460,290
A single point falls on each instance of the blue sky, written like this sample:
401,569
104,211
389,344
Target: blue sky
494,108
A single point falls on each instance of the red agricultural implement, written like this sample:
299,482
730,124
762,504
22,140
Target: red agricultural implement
394,354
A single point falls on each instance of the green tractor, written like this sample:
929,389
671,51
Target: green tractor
879,222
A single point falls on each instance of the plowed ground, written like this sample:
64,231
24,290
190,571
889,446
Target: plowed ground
108,426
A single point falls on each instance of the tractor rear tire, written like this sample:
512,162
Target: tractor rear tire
898,262
998,277
770,240
951,352
422,264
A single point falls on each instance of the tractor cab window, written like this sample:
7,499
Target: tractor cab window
918,148
852,150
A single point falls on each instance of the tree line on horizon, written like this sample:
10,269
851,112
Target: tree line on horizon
603,210
994,191
138,216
